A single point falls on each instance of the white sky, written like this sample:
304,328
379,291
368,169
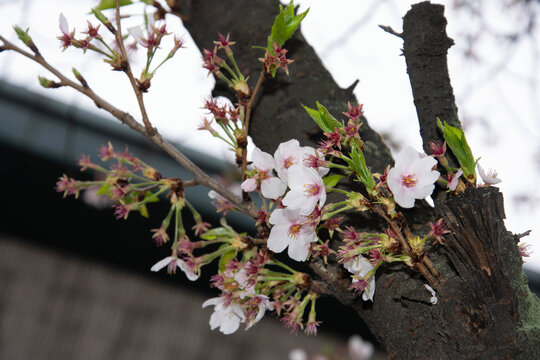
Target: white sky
352,47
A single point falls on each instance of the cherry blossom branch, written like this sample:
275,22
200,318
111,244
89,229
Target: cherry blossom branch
127,70
200,177
424,269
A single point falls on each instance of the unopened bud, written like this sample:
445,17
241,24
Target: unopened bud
48,84
25,38
80,78
104,20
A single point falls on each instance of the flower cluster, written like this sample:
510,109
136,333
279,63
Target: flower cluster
255,283
299,209
149,36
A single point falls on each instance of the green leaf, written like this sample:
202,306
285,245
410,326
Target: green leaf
105,189
111,4
330,120
217,233
224,259
143,210
284,26
331,180
318,118
456,141
150,197
323,118
357,162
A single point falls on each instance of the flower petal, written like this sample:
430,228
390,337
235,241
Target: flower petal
137,34
262,160
299,247
278,239
249,185
212,301
297,200
403,199
187,270
273,187
161,263
63,24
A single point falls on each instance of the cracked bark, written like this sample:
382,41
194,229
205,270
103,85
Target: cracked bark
485,309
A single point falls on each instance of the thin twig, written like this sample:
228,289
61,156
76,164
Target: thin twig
425,259
424,270
127,69
247,118
389,30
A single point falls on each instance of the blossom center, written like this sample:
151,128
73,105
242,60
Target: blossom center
312,189
294,230
409,180
288,162
263,174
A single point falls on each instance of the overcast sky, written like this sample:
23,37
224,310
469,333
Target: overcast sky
496,93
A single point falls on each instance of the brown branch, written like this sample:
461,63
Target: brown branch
247,118
421,265
249,105
127,69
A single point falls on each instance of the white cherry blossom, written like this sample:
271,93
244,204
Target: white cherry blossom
139,35
227,318
359,349
412,177
271,187
263,303
298,354
361,266
291,230
489,178
290,153
307,189
173,262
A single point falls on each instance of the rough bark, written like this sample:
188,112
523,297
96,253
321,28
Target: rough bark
485,308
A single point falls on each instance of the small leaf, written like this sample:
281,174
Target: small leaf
330,120
456,141
326,121
111,4
318,118
226,257
284,26
143,210
105,189
215,233
357,162
151,197
331,180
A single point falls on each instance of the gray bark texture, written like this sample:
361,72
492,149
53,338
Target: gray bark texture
485,308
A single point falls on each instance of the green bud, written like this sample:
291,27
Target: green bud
25,38
23,35
79,77
103,19
48,84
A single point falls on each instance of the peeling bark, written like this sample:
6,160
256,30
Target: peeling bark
485,308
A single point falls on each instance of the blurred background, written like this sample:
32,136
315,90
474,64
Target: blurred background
76,282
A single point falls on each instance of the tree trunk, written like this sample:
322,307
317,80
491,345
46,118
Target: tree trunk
485,309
